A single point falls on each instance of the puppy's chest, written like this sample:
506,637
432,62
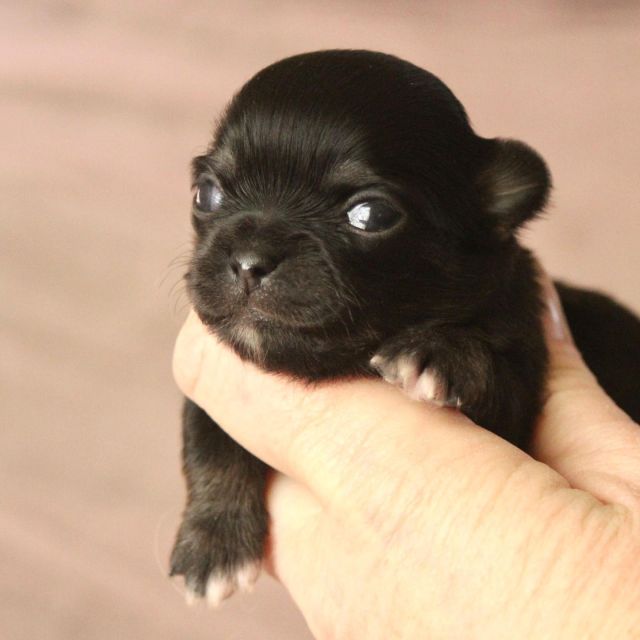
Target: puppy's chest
248,339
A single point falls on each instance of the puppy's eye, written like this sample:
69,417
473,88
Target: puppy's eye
372,216
208,197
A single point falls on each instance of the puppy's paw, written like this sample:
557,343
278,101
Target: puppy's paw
222,585
445,365
214,563
426,384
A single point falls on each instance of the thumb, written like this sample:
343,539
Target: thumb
583,434
333,434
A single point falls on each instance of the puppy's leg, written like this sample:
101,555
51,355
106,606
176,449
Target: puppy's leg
220,543
499,387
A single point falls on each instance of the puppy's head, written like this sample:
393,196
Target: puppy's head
344,197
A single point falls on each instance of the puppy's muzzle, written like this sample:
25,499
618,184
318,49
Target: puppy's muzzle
250,268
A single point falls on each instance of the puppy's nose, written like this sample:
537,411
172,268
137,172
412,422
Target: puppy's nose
249,269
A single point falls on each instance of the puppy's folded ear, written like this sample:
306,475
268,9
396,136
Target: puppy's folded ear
514,183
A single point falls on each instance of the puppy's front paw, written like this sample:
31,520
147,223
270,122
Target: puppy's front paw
215,560
406,372
444,365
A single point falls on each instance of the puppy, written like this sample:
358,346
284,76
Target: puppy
349,221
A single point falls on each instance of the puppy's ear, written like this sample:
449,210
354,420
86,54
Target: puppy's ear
514,183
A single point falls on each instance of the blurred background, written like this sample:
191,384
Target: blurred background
102,105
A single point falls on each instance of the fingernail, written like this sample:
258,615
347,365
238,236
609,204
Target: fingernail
556,320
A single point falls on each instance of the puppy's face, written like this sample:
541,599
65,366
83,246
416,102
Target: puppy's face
345,197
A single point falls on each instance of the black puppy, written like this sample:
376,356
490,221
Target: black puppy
350,222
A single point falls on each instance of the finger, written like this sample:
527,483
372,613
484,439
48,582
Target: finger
309,547
295,519
339,434
583,434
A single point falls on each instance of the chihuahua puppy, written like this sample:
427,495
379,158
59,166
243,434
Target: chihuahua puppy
349,222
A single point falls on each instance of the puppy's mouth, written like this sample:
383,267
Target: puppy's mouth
225,308
261,333
260,311
301,317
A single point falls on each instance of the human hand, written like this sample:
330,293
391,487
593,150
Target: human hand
398,519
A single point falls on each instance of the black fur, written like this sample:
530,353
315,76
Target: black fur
608,336
280,274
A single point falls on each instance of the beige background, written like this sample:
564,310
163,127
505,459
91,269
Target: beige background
102,104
